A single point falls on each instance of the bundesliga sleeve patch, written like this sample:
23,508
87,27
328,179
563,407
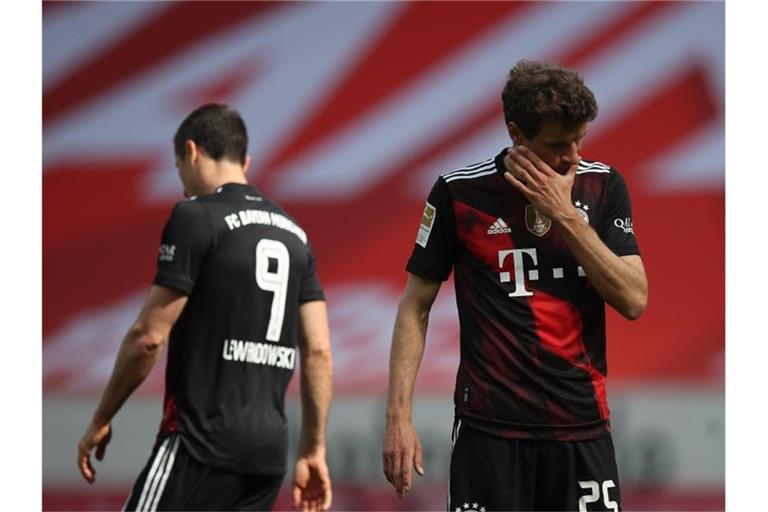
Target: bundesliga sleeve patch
425,227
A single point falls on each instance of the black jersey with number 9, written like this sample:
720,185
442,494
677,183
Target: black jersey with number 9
246,267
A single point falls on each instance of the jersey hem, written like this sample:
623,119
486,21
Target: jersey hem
236,467
580,432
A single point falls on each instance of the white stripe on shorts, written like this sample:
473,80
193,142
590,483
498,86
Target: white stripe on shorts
454,438
166,473
153,472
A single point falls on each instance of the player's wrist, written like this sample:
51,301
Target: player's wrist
567,217
312,450
398,416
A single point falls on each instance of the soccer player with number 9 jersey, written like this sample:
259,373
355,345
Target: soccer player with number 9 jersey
237,300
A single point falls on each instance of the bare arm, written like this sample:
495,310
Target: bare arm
402,448
312,483
138,354
620,280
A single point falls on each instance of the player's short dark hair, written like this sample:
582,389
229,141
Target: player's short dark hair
539,91
217,129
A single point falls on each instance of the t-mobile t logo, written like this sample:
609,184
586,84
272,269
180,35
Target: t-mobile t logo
519,257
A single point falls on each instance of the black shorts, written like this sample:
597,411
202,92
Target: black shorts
172,480
495,473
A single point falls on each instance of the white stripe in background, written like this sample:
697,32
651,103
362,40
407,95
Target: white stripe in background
484,173
397,128
166,473
82,31
153,472
619,74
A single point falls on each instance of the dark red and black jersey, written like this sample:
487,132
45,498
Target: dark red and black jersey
532,326
246,266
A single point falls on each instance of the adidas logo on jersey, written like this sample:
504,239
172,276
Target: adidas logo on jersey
499,227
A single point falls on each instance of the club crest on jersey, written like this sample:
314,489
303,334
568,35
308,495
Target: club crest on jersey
536,222
582,208
469,507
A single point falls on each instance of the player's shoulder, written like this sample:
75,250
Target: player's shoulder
595,170
594,167
468,173
188,209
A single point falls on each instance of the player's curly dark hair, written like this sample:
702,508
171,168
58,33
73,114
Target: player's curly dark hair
540,91
217,129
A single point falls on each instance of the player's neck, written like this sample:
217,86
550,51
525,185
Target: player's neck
221,173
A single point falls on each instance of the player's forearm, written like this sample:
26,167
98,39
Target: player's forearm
138,354
316,393
407,350
617,282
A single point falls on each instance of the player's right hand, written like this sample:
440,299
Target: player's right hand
97,437
402,449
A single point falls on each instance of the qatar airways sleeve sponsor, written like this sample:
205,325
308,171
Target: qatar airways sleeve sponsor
624,224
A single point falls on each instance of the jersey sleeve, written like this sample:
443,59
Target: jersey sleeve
436,241
187,238
310,284
616,227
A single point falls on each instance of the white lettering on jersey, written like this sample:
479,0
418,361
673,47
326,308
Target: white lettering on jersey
266,218
166,252
625,225
517,259
259,353
521,270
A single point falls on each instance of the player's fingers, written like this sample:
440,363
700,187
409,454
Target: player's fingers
418,461
327,498
515,169
386,466
397,476
522,162
571,174
536,162
296,495
86,469
101,449
519,185
405,469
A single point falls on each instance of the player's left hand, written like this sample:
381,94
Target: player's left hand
549,191
97,437
311,484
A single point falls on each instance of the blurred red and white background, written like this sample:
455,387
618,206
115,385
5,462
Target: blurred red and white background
353,109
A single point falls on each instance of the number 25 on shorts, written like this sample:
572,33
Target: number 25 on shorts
594,495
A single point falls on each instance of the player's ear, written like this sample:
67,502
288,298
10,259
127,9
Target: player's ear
191,151
514,133
246,164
